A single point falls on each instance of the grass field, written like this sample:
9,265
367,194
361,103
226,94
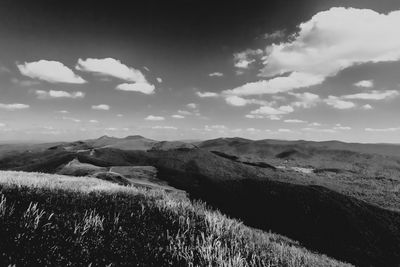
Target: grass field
69,221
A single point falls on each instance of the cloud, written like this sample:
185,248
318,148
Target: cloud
159,80
50,71
110,67
365,84
236,101
244,59
101,107
177,116
253,130
328,43
120,115
154,118
112,129
338,103
305,100
206,94
2,124
334,40
341,127
279,34
192,105
395,129
41,94
315,124
94,121
295,80
71,119
216,74
217,127
367,107
185,112
164,127
144,88
63,111
373,95
269,112
284,130
294,121
319,130
13,107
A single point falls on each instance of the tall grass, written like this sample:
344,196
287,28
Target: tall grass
56,220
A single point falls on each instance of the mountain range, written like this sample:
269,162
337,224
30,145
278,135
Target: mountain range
336,198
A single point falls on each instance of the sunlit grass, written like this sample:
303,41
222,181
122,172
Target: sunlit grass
70,221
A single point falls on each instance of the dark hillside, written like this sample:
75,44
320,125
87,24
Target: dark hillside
321,219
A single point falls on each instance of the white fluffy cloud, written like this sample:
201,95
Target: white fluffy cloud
338,103
373,95
367,107
192,105
305,100
177,116
244,59
159,80
41,94
110,67
341,127
141,87
50,71
277,85
216,74
101,107
294,121
164,128
336,39
206,94
365,84
12,107
236,101
154,118
269,112
329,42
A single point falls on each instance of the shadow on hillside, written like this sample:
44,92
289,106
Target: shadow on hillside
321,219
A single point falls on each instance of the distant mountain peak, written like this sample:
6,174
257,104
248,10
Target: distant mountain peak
130,137
104,137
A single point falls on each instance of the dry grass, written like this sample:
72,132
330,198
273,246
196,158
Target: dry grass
70,221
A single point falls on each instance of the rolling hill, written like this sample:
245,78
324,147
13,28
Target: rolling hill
53,220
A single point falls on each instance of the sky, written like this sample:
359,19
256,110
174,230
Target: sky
190,70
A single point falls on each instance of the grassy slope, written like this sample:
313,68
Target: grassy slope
59,220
